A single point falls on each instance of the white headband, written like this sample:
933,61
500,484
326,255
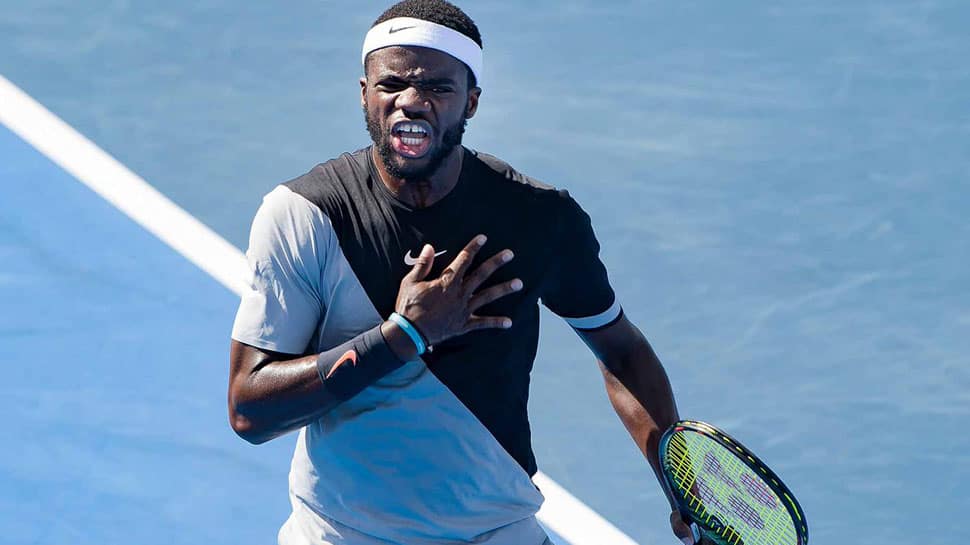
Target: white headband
418,32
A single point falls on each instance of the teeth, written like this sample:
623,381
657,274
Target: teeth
411,141
411,127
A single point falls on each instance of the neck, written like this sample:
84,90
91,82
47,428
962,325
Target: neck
421,193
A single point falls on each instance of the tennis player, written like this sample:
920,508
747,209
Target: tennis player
392,314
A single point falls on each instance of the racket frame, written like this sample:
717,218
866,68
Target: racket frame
748,458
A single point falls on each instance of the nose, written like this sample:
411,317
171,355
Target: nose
413,100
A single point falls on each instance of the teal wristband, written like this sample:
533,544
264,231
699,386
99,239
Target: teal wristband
411,331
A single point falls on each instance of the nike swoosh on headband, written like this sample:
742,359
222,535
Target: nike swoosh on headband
415,32
408,260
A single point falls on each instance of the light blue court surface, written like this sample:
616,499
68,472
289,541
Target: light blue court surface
781,193
115,355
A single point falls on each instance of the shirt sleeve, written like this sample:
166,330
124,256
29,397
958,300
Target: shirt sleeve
281,309
577,288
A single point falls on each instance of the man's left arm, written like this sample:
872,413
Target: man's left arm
636,384
640,392
577,289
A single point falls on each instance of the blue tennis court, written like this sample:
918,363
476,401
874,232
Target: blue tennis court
781,193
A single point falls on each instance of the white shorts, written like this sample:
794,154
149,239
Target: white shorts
307,527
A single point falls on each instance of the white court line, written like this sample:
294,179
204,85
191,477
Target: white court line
562,512
120,186
572,519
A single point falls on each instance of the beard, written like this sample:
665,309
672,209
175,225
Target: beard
450,139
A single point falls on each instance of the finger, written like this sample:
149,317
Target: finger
688,538
694,536
479,275
681,529
422,263
488,295
463,260
487,322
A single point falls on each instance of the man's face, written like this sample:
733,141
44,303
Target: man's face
416,102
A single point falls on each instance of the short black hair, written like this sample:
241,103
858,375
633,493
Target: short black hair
436,11
441,12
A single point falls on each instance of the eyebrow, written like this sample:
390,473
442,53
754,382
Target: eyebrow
420,81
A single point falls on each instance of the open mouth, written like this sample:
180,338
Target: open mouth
411,139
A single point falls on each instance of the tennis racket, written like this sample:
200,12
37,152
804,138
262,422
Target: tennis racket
729,495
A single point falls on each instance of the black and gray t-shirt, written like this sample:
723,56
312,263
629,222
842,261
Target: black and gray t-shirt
448,435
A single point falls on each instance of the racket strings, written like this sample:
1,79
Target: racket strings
716,483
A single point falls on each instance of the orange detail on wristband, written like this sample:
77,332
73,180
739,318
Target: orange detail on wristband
349,355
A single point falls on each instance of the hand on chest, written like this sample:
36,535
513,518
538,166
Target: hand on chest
528,264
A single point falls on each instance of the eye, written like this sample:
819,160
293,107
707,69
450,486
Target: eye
441,90
391,86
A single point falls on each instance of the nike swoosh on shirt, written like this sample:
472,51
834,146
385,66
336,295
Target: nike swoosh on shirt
392,30
408,260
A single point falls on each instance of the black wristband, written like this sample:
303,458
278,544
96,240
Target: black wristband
356,364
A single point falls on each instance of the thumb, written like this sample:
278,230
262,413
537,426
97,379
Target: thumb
423,263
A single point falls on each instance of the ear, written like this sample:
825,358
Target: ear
363,92
473,95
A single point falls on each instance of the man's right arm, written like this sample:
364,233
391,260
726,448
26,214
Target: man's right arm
272,393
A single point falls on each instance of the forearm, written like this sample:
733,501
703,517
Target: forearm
640,392
275,397
270,396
